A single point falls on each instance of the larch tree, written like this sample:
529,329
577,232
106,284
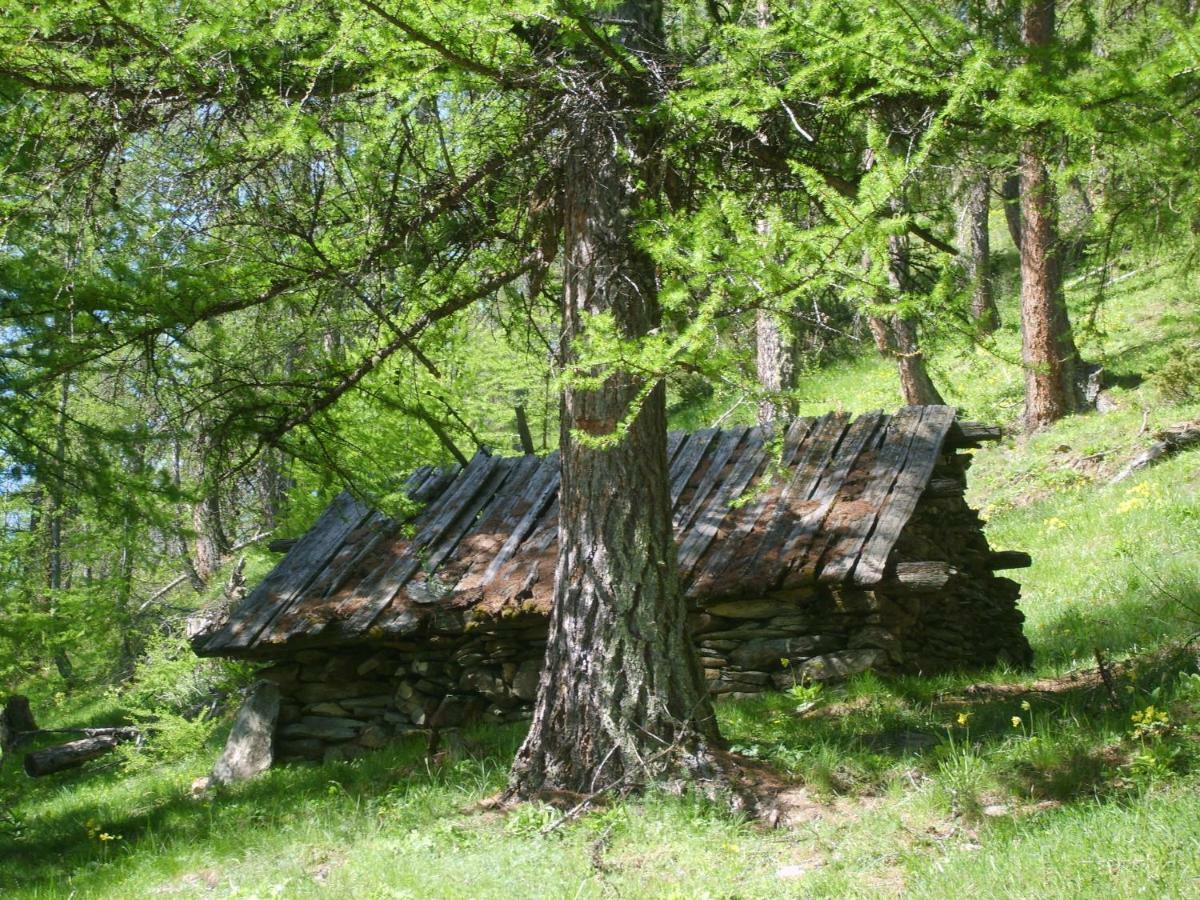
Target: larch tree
1048,350
622,701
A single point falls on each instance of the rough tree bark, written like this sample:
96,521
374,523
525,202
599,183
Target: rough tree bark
896,337
1047,345
621,701
776,363
1010,194
977,254
775,344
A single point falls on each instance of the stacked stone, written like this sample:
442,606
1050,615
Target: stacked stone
973,621
751,646
338,703
939,607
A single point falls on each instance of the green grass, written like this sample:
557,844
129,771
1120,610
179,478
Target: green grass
906,785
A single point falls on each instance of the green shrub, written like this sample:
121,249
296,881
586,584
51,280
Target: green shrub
1178,380
177,696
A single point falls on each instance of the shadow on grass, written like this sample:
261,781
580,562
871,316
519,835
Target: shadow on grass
62,840
1063,740
1152,612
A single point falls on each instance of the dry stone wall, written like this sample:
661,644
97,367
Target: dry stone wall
939,607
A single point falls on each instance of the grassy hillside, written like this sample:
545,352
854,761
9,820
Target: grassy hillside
1040,785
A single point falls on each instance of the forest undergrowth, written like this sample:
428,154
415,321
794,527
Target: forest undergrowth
1054,782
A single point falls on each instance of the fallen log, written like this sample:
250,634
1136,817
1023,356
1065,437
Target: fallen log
73,754
1166,442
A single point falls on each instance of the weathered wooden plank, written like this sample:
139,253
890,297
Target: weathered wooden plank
293,574
492,525
312,617
542,489
972,434
718,457
502,511
889,463
918,577
474,510
894,514
440,516
687,460
708,522
675,440
764,571
315,607
727,564
856,438
435,483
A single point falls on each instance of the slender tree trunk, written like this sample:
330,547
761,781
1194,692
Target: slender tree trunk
212,543
621,701
54,524
896,337
775,342
776,362
1047,346
977,254
1010,194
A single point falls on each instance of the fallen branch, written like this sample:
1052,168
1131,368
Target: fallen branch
1167,442
167,588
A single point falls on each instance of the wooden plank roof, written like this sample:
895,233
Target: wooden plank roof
825,504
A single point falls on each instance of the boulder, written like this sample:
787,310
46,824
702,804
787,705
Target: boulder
525,682
250,749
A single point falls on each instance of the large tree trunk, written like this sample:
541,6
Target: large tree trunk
1047,346
621,701
977,253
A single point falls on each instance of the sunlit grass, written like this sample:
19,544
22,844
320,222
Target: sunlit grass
914,785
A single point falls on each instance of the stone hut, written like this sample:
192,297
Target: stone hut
839,546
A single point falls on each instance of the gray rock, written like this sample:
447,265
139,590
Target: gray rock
373,737
766,653
751,609
324,728
746,633
250,749
329,708
454,710
842,664
525,682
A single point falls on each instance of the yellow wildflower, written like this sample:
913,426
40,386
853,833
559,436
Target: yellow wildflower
1016,721
964,718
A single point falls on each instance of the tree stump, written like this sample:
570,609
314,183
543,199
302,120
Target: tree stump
16,721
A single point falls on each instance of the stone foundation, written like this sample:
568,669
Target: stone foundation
939,607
